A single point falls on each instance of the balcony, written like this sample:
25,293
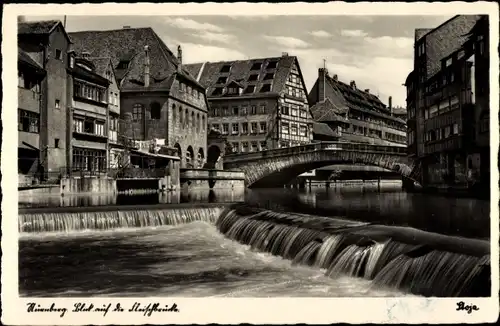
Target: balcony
28,99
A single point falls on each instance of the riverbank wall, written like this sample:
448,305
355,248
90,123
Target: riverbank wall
198,179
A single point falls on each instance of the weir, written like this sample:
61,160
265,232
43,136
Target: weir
408,259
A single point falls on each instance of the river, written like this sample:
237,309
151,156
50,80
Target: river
196,260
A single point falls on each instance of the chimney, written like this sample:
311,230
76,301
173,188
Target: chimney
353,84
367,90
146,66
390,104
179,54
335,77
322,73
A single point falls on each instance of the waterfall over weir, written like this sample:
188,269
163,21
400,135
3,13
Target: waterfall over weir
80,220
407,259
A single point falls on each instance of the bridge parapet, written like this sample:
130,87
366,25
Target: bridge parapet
318,146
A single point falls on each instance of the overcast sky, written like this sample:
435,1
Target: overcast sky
375,51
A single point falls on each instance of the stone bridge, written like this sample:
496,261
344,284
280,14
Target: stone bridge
276,167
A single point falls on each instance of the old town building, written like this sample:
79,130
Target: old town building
257,104
161,103
355,115
448,102
43,98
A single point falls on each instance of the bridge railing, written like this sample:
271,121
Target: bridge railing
316,146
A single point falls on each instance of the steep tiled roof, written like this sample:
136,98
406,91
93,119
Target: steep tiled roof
101,65
241,70
129,45
24,57
447,38
323,129
327,111
419,32
38,27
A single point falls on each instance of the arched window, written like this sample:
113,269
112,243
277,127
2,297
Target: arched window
203,122
181,118
193,122
137,112
186,118
198,123
174,113
155,111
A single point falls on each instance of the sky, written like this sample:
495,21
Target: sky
375,51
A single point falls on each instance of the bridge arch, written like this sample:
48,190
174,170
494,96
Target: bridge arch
274,168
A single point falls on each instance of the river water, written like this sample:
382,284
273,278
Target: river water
195,260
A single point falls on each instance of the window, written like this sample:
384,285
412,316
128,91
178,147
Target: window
71,61
235,147
58,54
265,88
448,62
198,122
262,109
272,64
181,117
225,128
253,127
186,118
455,129
29,121
88,126
233,90
193,121
269,76
57,105
253,109
254,146
218,91
203,122
244,111
88,91
244,146
250,89
99,128
294,129
78,125
263,127
256,66
225,68
89,160
303,131
123,64
225,111
113,124
155,111
137,112
303,114
183,87
285,128
253,77
244,128
285,110
295,112
235,127
216,126
235,110
263,145
222,80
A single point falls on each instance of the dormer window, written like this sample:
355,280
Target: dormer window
256,66
108,75
218,91
222,80
225,68
269,76
265,88
448,62
253,77
250,89
123,65
272,64
233,90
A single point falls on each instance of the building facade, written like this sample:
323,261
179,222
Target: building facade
160,102
448,102
45,45
257,104
355,115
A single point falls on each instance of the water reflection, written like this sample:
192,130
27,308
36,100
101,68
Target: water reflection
455,216
193,196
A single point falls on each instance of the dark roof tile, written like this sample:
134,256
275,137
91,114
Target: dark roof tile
240,72
37,27
24,57
323,129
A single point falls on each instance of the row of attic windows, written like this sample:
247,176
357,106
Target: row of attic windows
255,66
252,77
248,90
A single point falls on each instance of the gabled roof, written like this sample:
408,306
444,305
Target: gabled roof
25,58
323,129
45,27
129,45
241,70
327,111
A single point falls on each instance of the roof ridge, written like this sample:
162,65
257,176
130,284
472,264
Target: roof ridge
111,30
242,60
